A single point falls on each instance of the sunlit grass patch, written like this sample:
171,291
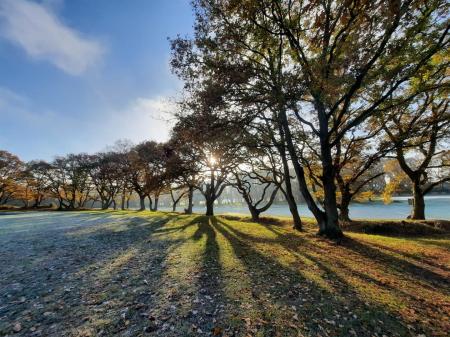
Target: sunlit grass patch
169,274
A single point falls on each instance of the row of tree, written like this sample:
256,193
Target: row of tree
326,87
292,97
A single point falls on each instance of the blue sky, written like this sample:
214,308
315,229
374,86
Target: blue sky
76,75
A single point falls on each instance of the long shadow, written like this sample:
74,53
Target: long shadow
306,297
301,247
58,273
443,242
424,260
291,241
395,263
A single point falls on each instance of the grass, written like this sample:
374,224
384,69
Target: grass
165,274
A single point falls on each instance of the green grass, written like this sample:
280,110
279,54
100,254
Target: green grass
165,274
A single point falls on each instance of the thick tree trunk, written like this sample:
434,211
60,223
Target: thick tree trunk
418,212
209,206
114,204
188,210
254,212
331,228
142,201
344,212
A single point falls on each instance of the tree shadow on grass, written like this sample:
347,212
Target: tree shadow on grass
64,282
397,264
372,311
319,310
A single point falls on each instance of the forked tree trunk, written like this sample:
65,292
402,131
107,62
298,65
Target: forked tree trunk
319,215
254,212
330,227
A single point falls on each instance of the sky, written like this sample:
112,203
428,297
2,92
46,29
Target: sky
77,75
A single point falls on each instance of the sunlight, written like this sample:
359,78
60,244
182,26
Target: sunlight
212,160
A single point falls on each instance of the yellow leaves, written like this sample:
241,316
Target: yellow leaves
365,196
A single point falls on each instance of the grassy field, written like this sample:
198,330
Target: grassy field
165,274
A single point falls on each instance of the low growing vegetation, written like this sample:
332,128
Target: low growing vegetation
128,273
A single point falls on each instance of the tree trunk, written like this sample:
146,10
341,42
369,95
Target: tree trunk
288,192
150,201
114,204
142,201
188,210
105,204
319,215
418,212
155,206
209,206
344,213
254,212
331,228
122,201
331,225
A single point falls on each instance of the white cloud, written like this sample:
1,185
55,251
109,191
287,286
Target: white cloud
142,119
36,29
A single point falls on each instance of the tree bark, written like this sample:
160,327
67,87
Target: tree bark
150,201
142,201
344,213
418,212
209,206
122,201
288,191
331,228
188,210
254,212
319,215
155,205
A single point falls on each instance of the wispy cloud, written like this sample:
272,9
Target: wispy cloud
36,29
49,133
142,119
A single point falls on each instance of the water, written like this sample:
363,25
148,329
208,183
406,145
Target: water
436,207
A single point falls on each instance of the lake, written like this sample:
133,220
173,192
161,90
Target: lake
437,207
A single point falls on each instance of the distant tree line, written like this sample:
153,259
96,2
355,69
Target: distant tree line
333,101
